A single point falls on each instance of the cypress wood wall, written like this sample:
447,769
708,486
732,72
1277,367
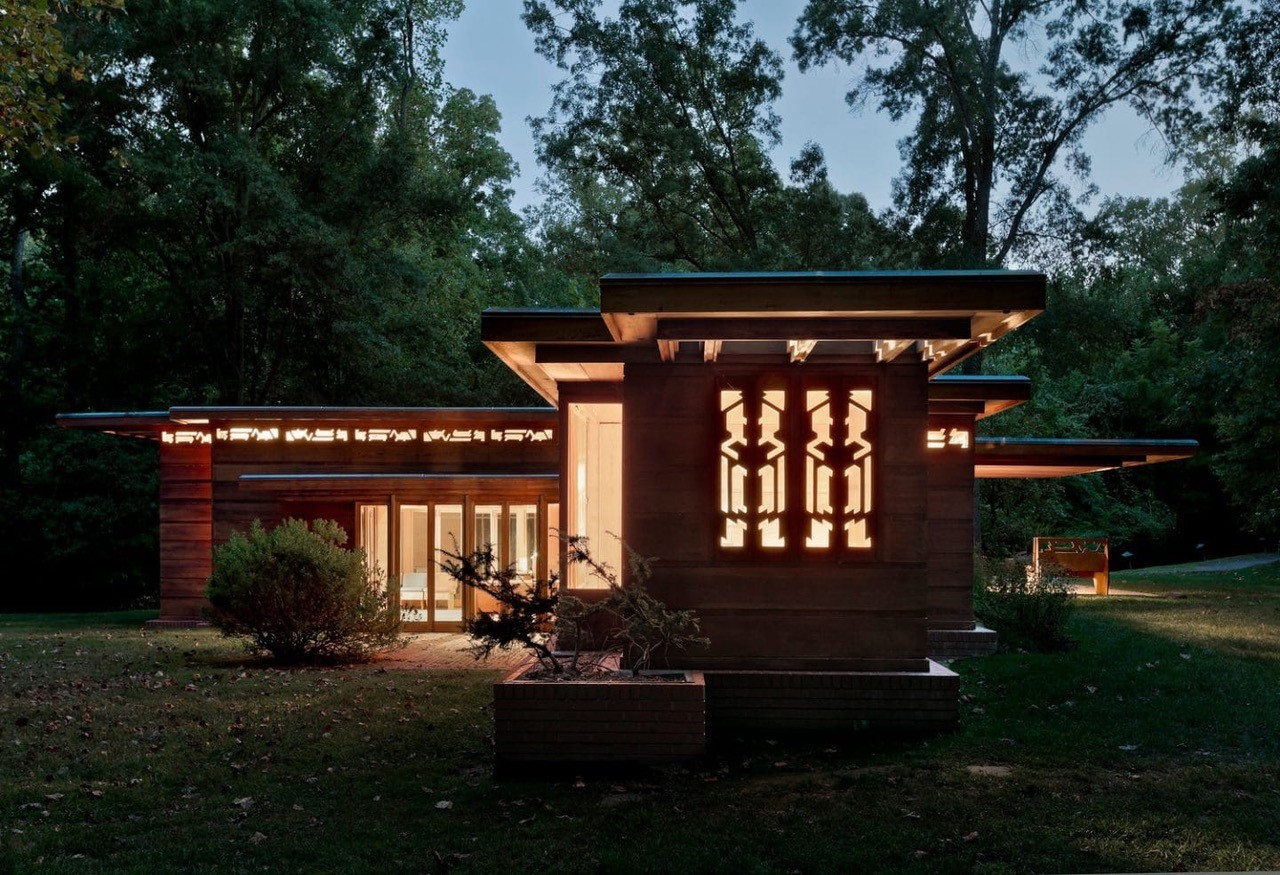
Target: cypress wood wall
811,614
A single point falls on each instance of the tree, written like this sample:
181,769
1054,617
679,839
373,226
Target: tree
33,58
993,137
259,202
667,113
657,147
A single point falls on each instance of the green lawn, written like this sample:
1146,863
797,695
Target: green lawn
1154,745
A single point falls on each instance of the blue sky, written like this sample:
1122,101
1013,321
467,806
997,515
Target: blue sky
490,51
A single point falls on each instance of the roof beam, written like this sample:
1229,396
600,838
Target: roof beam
711,350
668,349
814,328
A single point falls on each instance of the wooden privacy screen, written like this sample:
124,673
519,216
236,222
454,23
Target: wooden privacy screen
1081,557
794,466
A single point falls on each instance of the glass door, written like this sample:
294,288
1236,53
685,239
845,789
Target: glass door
446,593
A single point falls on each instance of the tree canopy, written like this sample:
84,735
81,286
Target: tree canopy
990,135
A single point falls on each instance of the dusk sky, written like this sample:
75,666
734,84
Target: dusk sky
490,51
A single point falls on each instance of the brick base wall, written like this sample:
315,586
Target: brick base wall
961,643
826,701
162,623
598,721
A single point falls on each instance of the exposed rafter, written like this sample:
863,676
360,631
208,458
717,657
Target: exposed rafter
888,350
668,349
799,349
711,350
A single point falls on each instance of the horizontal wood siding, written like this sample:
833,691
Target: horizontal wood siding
950,577
186,530
805,614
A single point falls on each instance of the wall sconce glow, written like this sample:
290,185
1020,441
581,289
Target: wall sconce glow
941,438
179,438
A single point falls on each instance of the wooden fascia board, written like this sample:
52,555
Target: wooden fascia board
1047,458
147,425
543,327
788,328
823,293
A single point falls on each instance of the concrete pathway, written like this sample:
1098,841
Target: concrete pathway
1230,563
447,650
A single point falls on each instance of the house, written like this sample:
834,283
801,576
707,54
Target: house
789,445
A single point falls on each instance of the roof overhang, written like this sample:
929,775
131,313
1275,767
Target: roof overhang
1017,458
981,396
140,424
941,317
154,424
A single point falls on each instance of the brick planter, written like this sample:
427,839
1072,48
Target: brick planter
599,720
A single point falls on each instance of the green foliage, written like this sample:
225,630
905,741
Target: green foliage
299,595
524,610
989,136
33,60
642,627
645,628
687,184
1029,609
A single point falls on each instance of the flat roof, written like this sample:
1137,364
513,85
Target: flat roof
150,424
941,316
1018,458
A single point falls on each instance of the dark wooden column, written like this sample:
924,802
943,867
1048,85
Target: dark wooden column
186,530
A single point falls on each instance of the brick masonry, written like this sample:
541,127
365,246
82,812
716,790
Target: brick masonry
951,644
598,721
808,701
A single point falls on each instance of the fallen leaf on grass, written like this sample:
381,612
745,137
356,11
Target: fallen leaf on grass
971,836
444,805
257,838
243,802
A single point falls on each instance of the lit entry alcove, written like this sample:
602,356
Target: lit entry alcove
794,466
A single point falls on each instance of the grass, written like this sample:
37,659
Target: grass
1153,746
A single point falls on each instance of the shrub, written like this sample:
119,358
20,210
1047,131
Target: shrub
1028,609
297,594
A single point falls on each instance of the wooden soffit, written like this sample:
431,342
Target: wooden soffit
1018,458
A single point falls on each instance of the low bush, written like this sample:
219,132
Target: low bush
296,593
1029,609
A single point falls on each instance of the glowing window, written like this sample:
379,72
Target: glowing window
794,467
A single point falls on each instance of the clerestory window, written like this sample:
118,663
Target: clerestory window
795,464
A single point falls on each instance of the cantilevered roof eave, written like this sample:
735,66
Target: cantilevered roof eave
141,423
990,394
1020,458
